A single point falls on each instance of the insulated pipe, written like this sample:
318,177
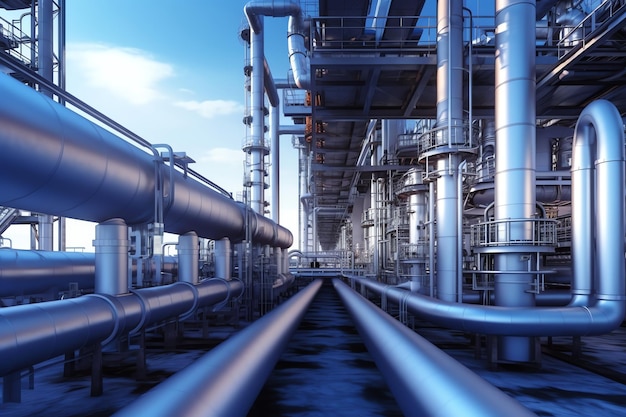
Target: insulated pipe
25,272
32,333
223,262
111,246
227,380
515,158
71,167
188,258
424,380
450,115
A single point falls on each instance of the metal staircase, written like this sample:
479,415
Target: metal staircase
7,215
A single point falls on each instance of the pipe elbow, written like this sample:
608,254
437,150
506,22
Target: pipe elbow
606,316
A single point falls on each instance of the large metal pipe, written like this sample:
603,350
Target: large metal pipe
515,158
60,163
227,380
33,333
423,379
111,245
450,121
24,272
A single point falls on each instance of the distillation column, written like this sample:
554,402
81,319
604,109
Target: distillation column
515,161
450,120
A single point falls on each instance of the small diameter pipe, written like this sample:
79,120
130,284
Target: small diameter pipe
227,380
424,380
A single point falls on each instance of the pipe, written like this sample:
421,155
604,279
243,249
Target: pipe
188,258
111,245
598,128
450,115
598,219
66,325
515,158
223,260
424,380
275,158
25,272
227,380
297,31
71,167
45,62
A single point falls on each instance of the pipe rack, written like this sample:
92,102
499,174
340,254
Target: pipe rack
32,333
424,380
227,380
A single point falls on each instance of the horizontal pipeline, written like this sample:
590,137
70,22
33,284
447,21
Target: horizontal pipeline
423,379
71,167
600,318
32,333
26,272
227,380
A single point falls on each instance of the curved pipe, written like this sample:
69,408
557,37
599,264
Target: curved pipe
599,127
32,333
298,58
506,321
423,379
63,164
227,380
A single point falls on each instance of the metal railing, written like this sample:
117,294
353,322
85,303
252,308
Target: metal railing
583,31
514,232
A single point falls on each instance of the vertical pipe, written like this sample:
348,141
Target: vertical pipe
223,264
111,245
188,258
450,114
600,127
275,156
515,157
45,50
417,214
258,122
431,237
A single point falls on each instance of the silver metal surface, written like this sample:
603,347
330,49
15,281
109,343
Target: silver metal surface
74,168
111,246
227,380
32,333
515,154
24,272
424,380
188,258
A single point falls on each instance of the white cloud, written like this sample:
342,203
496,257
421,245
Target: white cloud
212,108
222,155
128,73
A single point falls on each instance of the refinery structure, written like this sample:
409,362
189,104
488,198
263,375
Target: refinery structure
458,166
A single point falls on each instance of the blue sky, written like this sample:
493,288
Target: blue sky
172,72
